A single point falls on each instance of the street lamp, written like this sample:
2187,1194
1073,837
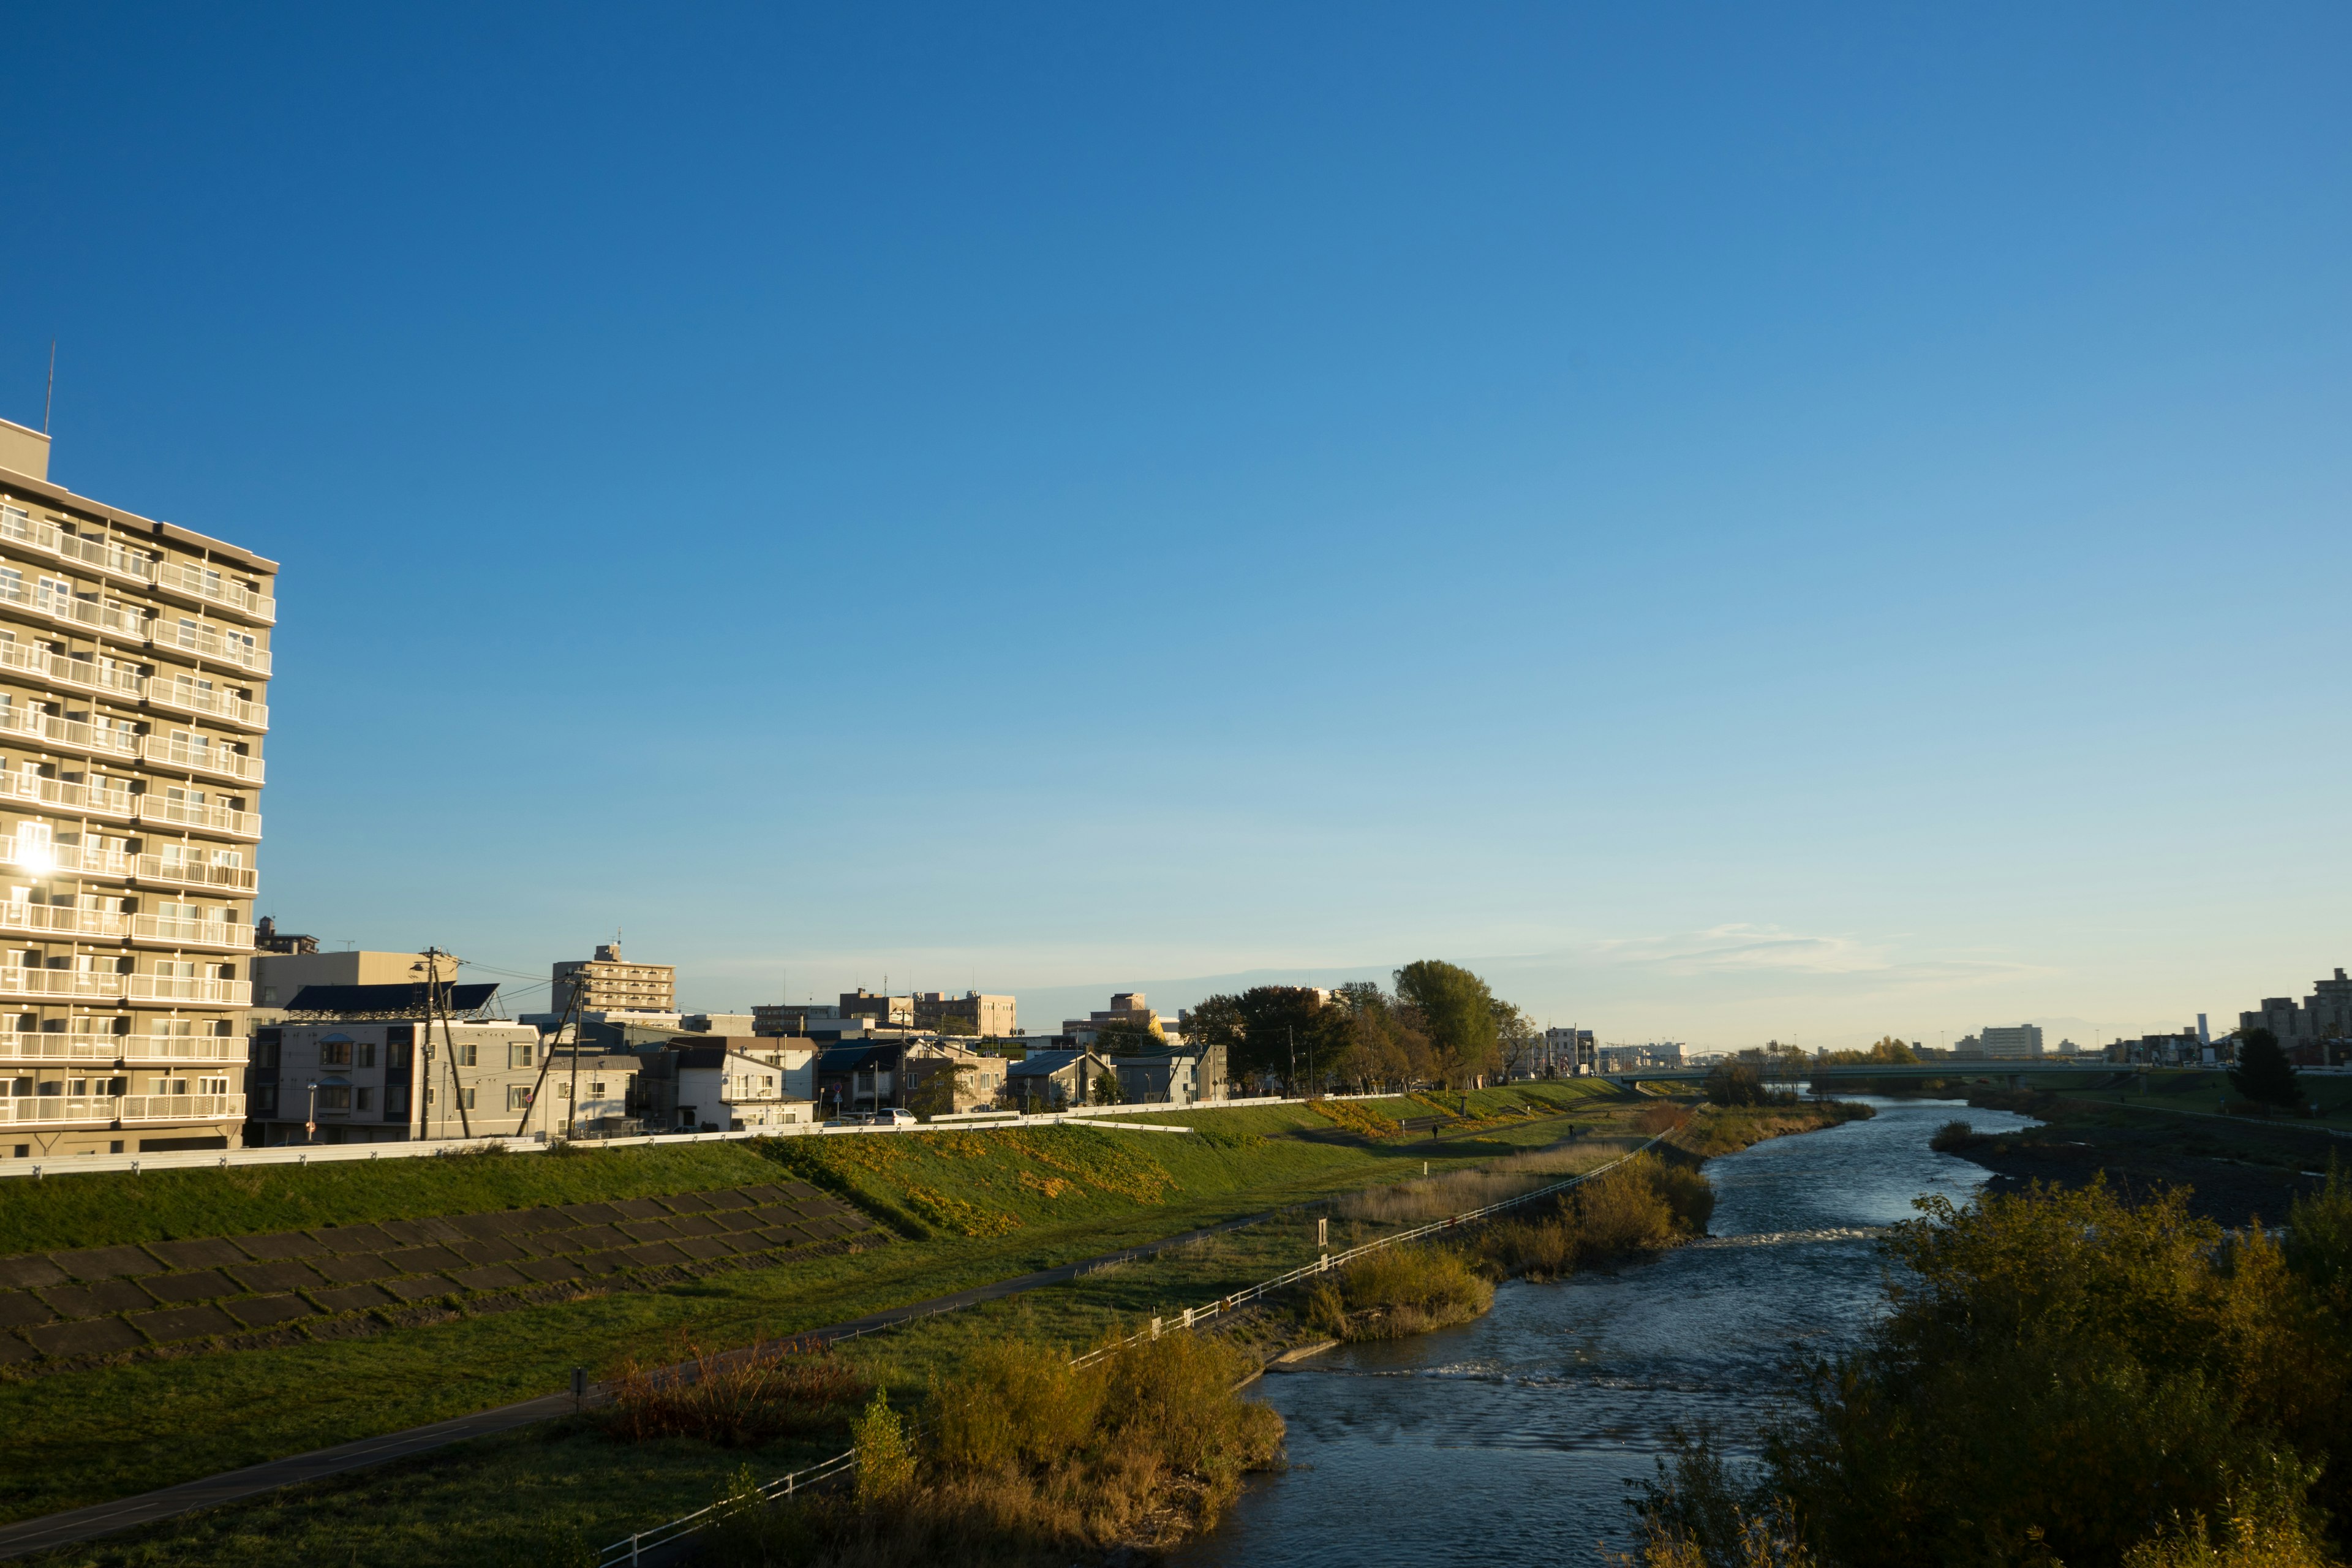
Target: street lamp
310,1127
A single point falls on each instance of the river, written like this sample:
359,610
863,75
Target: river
1510,1440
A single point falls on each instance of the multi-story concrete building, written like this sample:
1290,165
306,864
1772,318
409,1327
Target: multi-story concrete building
385,1080
2012,1043
608,983
280,977
2318,1030
134,659
970,1014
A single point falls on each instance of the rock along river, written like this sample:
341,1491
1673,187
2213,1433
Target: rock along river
1509,1440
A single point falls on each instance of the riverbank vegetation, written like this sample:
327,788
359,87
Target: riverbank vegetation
1024,1459
2061,1376
1727,1130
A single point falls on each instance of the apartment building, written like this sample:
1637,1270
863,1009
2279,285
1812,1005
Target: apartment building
970,1014
729,1084
380,1080
134,661
609,984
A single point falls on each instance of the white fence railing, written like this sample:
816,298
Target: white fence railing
631,1551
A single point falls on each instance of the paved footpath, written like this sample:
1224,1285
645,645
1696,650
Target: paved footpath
80,1524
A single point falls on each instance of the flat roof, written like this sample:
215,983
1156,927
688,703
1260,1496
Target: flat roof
57,495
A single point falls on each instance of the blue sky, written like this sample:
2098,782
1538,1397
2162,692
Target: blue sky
1738,522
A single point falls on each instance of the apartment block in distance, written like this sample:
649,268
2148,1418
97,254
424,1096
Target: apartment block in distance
134,659
608,983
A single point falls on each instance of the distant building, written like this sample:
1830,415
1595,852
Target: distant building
790,1017
1055,1079
267,938
2322,1022
2022,1042
729,1084
278,976
1182,1075
1128,1010
1568,1053
372,1076
972,1014
609,984
891,1011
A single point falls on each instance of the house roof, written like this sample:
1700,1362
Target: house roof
1038,1064
857,1058
400,999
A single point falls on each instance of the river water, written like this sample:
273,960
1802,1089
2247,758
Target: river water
1510,1440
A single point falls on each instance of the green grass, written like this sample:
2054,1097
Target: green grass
84,1436
106,1208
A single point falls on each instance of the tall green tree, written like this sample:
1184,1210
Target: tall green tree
1282,1032
1457,1012
2264,1075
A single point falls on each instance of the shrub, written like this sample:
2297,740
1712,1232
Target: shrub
1954,1136
739,1400
1400,1292
1643,1205
886,1460
1664,1117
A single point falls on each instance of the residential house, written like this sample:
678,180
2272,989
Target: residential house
1185,1075
731,1084
1054,1079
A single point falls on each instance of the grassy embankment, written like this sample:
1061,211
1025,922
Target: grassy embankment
977,1208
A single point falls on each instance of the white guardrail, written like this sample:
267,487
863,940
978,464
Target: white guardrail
535,1142
633,1551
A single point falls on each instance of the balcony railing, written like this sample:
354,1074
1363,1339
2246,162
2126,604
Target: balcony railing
230,936
40,860
69,734
206,642
198,581
187,873
115,680
41,533
189,698
74,610
186,988
167,753
122,1108
65,795
181,1107
24,1045
17,981
231,1048
204,817
57,920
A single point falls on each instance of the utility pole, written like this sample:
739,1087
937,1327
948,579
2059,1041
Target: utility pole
435,1001
547,1060
1291,1034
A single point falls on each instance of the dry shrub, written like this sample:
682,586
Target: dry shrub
1954,1136
1663,1117
1643,1205
741,1399
1398,1291
1028,1460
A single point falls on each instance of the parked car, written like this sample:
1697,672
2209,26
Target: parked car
893,1118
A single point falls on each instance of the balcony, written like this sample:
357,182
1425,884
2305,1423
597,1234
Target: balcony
24,1109
39,533
183,873
40,860
227,936
219,761
229,1049
206,643
181,1107
35,663
186,697
204,818
202,583
95,985
56,920
69,734
24,1045
65,795
190,988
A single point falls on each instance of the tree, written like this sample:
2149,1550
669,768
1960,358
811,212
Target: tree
2264,1075
1369,1038
1280,1024
1734,1083
1457,1014
1127,1040
1108,1090
1517,1039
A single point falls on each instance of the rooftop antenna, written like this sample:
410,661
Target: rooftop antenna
49,401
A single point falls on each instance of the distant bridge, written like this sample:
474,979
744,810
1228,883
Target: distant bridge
2010,1073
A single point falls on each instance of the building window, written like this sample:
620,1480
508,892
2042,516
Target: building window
395,1101
334,1097
334,1053
396,1055
519,1055
595,1091
518,1097
361,1099
466,1055
465,1098
365,1055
